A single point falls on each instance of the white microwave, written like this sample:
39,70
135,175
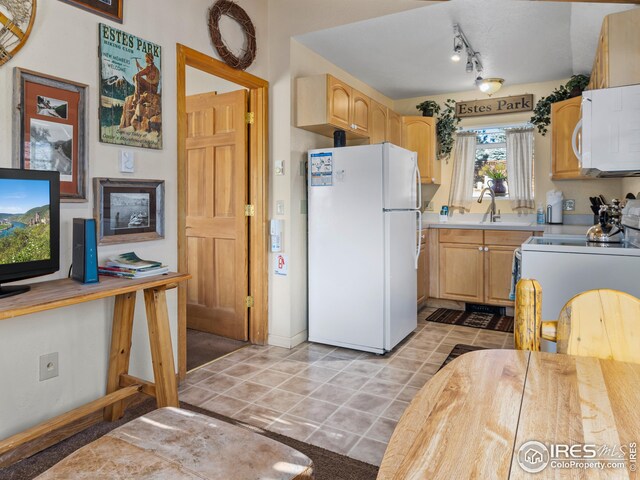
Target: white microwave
606,140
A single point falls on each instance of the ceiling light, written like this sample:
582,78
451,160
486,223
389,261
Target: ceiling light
469,67
456,53
489,85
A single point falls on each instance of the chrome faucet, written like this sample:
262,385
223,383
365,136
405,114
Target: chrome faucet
492,208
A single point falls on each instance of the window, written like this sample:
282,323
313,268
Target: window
491,157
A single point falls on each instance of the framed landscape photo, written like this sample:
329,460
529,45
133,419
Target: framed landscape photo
128,210
49,129
130,89
111,9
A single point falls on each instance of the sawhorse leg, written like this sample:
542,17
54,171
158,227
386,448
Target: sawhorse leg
164,371
120,349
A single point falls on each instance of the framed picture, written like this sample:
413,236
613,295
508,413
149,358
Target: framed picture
128,210
49,129
130,90
111,9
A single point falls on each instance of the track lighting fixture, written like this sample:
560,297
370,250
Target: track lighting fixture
460,42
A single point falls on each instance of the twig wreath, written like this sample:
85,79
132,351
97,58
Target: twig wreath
232,10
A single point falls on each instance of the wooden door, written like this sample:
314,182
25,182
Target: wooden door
338,103
360,110
216,226
497,271
423,269
564,118
394,128
419,135
378,126
462,272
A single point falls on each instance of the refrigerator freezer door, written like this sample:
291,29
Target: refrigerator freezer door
346,251
400,276
401,181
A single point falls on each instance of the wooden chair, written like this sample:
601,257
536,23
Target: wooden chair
596,323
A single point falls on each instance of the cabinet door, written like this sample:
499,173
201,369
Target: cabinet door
419,135
423,269
378,127
338,103
462,272
498,261
394,128
564,117
360,110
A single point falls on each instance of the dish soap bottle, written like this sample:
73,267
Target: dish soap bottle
540,215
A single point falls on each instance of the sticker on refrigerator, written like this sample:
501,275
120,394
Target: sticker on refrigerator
321,169
280,264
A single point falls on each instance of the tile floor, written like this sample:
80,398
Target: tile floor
343,400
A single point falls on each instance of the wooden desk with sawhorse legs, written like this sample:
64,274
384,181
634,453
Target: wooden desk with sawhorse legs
120,385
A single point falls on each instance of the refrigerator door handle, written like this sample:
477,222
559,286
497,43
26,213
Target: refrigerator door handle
418,229
419,189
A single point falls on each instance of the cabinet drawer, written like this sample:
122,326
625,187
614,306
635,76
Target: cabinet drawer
458,235
506,237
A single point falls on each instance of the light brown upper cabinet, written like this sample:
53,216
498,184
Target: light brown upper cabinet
394,127
325,103
378,124
564,118
419,135
617,62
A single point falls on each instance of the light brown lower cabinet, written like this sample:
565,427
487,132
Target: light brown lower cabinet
423,270
475,266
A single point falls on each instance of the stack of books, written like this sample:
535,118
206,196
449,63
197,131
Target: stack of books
129,265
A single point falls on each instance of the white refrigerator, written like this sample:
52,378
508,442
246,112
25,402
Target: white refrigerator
363,245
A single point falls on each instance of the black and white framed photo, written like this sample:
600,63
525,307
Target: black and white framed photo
128,210
49,129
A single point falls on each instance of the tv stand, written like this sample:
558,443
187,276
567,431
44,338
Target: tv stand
9,291
120,385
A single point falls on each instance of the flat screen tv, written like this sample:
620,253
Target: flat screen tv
29,226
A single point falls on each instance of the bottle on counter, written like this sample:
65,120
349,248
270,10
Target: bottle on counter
444,214
540,214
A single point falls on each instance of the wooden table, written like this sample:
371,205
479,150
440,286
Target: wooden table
120,385
472,417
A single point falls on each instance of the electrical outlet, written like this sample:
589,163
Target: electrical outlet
279,167
279,207
48,366
569,205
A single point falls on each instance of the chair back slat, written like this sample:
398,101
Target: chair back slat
602,324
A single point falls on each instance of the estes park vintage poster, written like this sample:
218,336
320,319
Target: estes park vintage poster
130,90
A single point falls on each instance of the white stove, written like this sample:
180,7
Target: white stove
566,265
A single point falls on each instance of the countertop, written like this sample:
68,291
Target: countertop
508,225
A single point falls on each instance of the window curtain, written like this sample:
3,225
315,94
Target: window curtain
520,167
464,156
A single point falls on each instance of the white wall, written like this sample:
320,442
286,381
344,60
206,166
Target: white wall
64,43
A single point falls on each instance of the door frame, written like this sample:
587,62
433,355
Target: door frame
257,191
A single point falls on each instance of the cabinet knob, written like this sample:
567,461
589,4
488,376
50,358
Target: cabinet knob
480,248
486,249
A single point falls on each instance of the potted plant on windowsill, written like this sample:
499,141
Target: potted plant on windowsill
497,173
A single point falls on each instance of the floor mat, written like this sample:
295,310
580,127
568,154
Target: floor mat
458,350
488,321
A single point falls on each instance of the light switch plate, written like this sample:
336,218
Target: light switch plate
279,207
127,161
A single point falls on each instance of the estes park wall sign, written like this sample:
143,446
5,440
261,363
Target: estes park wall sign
495,106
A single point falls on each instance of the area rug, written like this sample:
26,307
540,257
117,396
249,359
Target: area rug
488,321
458,350
203,347
327,465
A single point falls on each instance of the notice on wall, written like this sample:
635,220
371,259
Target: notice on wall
495,106
321,169
280,264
